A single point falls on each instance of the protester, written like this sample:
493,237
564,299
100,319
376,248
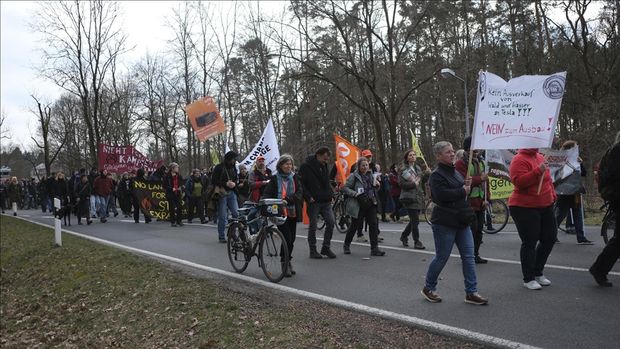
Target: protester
361,187
385,200
450,224
102,188
173,185
411,198
285,185
225,176
3,195
395,192
140,176
318,194
94,174
83,192
532,212
568,205
477,197
243,188
609,187
259,178
124,194
112,197
14,192
195,190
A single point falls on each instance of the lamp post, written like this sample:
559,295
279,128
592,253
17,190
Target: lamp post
447,73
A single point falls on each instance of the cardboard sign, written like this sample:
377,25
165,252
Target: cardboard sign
205,118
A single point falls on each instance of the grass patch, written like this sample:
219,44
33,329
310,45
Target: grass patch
90,295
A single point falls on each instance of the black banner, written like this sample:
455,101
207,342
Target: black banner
151,197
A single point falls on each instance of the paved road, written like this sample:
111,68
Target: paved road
571,313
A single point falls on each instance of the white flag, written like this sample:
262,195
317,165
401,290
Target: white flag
520,113
267,146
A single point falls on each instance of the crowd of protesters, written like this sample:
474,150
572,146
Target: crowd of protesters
457,186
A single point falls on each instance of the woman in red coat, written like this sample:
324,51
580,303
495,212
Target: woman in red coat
533,214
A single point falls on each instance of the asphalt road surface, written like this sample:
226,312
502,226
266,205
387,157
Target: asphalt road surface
571,313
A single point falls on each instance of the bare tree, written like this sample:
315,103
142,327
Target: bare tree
44,114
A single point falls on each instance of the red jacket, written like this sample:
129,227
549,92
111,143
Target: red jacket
525,175
103,186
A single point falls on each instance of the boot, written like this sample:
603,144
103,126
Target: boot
346,249
377,252
314,254
325,251
290,269
288,272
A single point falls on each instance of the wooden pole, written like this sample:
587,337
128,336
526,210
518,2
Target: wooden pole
541,178
471,155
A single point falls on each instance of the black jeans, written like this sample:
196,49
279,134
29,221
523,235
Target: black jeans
608,257
83,209
538,232
328,215
412,227
476,230
174,208
195,203
289,230
370,215
136,211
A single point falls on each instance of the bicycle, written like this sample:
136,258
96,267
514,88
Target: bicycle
343,221
273,257
609,223
495,215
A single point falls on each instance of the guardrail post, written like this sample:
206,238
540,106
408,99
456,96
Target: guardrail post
57,230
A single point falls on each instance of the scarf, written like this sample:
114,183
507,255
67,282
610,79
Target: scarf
286,187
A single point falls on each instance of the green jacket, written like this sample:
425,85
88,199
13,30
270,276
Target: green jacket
411,195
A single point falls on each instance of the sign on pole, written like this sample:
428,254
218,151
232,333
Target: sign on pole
205,118
520,113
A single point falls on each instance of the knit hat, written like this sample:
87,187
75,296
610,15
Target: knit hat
231,155
467,143
366,153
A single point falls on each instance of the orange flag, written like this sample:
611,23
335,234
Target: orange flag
205,118
346,155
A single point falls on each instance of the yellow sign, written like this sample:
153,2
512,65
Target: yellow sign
500,188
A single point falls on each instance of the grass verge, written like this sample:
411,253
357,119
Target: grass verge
89,295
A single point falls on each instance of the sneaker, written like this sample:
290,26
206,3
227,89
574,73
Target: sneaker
585,242
103,220
314,254
543,281
418,245
532,285
480,260
290,269
180,224
601,280
346,249
404,241
222,241
189,221
361,238
325,251
115,214
173,225
379,238
430,296
475,298
287,271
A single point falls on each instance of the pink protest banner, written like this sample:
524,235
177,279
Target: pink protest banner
126,158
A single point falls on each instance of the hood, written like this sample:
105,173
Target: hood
528,151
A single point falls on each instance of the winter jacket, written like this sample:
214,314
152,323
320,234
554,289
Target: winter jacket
168,185
222,174
353,185
103,186
315,180
189,186
476,179
447,191
296,198
525,175
411,195
258,181
394,187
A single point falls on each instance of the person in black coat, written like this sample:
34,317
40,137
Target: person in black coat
225,176
286,185
83,192
174,187
195,190
140,176
318,193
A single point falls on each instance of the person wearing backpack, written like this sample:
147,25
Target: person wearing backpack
609,188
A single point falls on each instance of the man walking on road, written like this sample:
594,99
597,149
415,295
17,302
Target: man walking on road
318,193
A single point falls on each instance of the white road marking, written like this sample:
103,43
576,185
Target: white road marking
411,320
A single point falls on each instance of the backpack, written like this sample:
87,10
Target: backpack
608,173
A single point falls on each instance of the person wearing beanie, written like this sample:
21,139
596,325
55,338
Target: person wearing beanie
476,197
225,176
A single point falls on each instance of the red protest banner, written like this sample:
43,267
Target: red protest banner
126,158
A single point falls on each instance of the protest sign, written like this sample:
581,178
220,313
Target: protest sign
520,113
205,118
346,155
119,159
416,147
267,146
498,165
151,197
565,170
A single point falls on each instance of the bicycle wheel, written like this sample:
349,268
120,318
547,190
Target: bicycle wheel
320,223
273,254
342,220
428,211
495,217
238,247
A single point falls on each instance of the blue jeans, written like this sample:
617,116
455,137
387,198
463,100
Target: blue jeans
102,206
225,203
445,238
93,205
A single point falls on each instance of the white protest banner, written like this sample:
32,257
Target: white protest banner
520,113
267,146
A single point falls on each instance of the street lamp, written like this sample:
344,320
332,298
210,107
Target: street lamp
447,73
